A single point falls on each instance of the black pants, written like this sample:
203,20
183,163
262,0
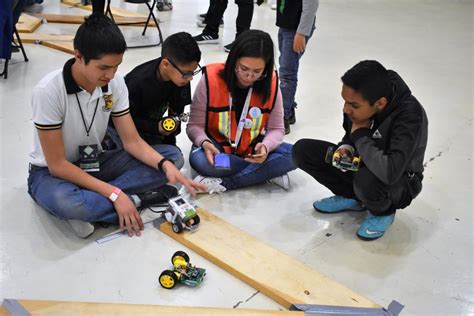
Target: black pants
98,6
216,12
378,197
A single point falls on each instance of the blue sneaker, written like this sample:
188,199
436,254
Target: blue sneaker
336,204
374,226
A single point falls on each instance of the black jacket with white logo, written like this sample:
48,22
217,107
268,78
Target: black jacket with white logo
395,144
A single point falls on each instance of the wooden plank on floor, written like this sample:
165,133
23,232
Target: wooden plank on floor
4,312
115,11
39,37
78,19
27,23
66,47
43,308
280,277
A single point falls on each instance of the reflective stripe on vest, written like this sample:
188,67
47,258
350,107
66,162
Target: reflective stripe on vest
217,112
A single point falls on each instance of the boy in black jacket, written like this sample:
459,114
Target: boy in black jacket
162,86
388,128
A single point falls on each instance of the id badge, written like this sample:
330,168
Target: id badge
89,158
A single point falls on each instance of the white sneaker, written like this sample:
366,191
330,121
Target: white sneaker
81,229
273,4
282,181
206,39
213,184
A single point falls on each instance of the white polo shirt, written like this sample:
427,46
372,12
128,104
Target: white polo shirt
55,106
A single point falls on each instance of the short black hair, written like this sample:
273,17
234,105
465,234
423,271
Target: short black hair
370,79
99,36
181,48
251,43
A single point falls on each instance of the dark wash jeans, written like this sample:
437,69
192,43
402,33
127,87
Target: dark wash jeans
244,173
288,71
68,201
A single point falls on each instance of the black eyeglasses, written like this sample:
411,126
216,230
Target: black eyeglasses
186,74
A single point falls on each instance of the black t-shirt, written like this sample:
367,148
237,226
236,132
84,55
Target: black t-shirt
150,98
238,101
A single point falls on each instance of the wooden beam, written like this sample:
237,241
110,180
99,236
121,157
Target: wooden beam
27,23
39,38
115,11
278,276
43,308
66,47
4,312
78,19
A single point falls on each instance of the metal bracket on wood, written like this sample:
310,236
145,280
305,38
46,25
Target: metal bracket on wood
15,308
393,309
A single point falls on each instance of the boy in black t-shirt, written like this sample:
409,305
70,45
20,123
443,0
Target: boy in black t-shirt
163,85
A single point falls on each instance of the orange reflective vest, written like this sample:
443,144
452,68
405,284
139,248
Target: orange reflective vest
217,113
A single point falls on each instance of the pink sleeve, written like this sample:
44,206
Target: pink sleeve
275,129
197,118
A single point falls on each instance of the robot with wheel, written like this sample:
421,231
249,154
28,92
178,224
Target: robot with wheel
170,124
343,158
182,215
183,272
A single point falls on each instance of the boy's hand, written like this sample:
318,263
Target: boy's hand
361,124
174,176
129,218
299,43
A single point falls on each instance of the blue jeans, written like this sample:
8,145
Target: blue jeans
243,173
68,201
289,64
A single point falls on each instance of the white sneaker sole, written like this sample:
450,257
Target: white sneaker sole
216,41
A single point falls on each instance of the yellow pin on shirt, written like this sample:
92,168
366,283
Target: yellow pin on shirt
108,98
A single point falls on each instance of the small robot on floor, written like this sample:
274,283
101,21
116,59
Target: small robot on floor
181,215
183,272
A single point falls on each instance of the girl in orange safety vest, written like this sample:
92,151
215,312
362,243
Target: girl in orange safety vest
236,122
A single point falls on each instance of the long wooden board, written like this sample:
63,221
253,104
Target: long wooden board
66,47
78,19
39,37
115,11
55,308
27,23
280,277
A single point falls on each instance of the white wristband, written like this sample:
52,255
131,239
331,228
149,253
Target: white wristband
115,194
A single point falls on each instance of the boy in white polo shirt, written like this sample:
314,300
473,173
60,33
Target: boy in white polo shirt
71,175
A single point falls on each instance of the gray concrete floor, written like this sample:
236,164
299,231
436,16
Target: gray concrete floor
425,260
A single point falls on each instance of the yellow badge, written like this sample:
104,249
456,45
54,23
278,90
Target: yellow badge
108,98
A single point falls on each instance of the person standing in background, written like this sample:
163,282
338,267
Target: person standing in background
296,20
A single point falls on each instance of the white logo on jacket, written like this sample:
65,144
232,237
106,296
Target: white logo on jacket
376,134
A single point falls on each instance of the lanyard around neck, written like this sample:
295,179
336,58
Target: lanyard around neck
240,126
82,115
